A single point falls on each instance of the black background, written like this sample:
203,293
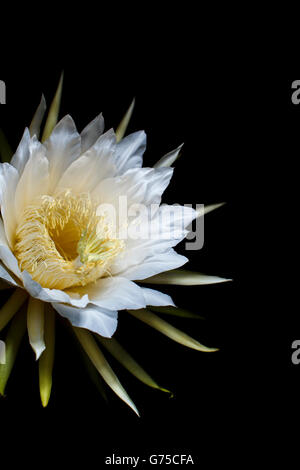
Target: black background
222,401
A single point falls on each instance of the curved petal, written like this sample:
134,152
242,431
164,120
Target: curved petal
157,298
101,321
165,230
91,133
139,185
20,158
4,274
51,295
9,178
34,180
96,164
63,147
114,293
130,151
154,264
6,254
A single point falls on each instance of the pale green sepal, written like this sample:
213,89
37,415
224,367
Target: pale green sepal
121,129
169,330
127,361
182,277
209,208
46,360
11,306
12,343
53,111
90,346
177,312
36,122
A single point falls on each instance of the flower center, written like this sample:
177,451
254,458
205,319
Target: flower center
62,243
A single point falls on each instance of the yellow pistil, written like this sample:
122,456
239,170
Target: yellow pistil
62,243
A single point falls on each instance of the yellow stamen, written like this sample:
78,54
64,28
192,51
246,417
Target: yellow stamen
54,231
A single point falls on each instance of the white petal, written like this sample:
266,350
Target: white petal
35,326
63,147
130,151
114,293
157,298
9,178
35,178
154,264
37,118
91,133
139,185
165,230
4,274
6,254
93,318
20,158
52,295
168,159
96,164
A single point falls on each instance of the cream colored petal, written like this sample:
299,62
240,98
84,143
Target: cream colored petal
90,346
121,129
36,122
168,159
181,277
34,180
35,326
53,111
9,178
165,328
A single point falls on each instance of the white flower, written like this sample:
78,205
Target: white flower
56,246
49,239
